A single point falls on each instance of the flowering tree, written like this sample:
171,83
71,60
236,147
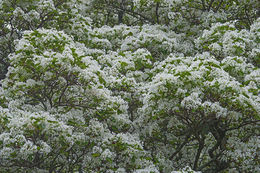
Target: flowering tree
129,86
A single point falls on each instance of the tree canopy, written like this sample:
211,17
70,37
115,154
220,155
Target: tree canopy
122,86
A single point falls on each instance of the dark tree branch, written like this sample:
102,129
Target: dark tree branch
201,146
219,5
180,147
210,4
157,12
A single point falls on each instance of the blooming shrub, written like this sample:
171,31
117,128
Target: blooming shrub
142,86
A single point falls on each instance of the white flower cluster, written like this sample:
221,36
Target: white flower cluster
175,87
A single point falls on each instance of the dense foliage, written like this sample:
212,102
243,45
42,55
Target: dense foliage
130,86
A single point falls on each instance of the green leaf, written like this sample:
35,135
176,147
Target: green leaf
96,154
